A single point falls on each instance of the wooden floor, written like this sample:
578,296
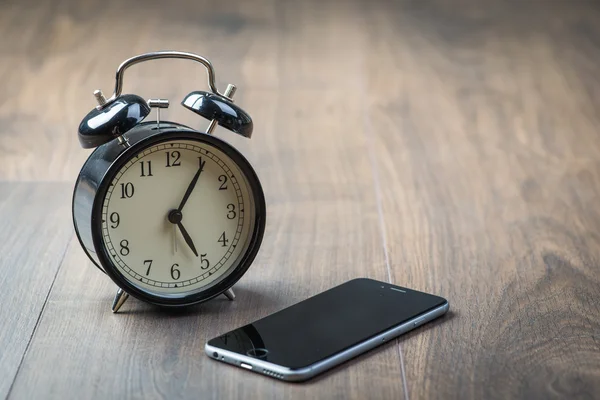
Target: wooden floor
451,147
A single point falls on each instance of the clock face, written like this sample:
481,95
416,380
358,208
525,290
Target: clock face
177,218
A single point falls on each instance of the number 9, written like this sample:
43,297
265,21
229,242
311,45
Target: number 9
115,219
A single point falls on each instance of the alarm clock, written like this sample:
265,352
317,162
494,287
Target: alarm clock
172,215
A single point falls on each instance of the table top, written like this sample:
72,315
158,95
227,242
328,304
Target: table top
448,147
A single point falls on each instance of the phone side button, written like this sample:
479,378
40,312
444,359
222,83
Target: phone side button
244,365
418,322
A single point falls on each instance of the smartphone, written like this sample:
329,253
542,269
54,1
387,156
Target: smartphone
323,331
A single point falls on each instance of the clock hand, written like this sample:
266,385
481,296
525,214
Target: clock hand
175,217
174,239
191,187
187,238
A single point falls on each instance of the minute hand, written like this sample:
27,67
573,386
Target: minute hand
191,187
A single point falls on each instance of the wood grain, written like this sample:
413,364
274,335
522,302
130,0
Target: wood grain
33,242
488,151
451,147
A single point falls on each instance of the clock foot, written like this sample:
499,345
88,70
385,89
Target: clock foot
120,298
229,294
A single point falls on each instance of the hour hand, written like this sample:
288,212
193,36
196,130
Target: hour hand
187,238
175,218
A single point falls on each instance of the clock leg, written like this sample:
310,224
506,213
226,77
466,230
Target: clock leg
120,298
229,294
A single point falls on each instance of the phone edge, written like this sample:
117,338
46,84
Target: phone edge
298,375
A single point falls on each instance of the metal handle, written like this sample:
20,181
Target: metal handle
154,56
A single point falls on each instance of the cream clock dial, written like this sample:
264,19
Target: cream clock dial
165,247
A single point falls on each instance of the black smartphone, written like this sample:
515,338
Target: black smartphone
323,331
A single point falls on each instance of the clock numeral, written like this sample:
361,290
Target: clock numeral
149,264
115,219
204,261
173,158
127,190
146,167
231,211
201,163
223,180
124,247
223,240
175,273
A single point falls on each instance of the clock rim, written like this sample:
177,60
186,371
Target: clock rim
245,260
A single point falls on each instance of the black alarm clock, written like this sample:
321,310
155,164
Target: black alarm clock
172,215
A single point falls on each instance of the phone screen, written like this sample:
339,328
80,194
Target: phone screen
328,323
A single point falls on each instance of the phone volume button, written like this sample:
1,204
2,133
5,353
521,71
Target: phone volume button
418,322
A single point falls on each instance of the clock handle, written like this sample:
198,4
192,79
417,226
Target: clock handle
155,55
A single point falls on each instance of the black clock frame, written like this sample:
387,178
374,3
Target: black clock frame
246,259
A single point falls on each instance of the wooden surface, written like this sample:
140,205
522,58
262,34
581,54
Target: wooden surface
451,147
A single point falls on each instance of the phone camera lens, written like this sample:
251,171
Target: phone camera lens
216,355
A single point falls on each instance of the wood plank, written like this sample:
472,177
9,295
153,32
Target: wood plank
34,232
482,124
322,230
487,148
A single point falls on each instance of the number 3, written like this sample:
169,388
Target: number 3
231,213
